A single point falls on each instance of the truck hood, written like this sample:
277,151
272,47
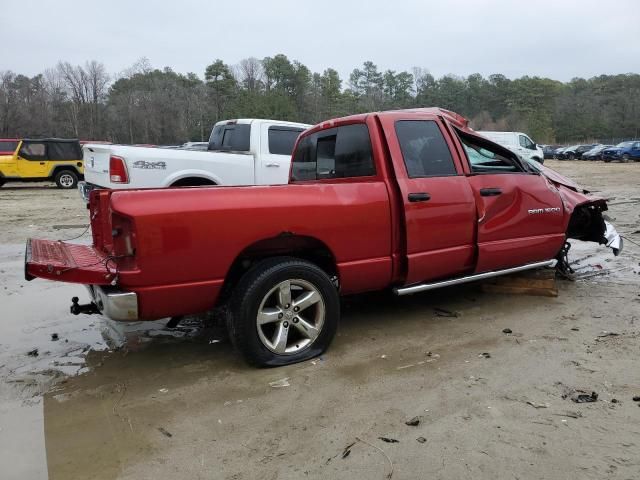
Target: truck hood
557,178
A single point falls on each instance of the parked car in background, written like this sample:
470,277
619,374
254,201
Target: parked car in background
575,151
549,150
8,145
517,142
595,153
623,152
240,152
437,203
558,154
44,159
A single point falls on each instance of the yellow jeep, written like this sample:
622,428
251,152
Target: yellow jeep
44,159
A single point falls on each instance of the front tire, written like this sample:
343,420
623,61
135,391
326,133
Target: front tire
283,311
66,179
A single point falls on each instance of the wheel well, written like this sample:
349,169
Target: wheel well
587,223
64,168
285,244
192,182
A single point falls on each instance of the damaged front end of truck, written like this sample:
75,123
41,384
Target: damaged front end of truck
587,221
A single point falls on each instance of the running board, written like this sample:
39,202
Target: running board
421,287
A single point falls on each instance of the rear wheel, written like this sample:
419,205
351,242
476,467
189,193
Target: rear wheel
66,179
626,157
572,156
283,311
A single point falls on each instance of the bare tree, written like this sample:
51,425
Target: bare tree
250,73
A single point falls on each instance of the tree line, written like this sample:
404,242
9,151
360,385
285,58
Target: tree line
160,106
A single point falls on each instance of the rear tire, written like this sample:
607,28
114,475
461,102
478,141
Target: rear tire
283,311
66,179
626,157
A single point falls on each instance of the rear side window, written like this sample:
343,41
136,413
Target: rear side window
8,146
64,151
282,140
235,137
33,150
424,149
341,152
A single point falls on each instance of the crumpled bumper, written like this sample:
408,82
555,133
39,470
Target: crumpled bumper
613,238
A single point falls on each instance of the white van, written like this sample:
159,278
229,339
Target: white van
517,142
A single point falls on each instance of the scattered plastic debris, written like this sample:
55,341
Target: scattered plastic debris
538,405
164,432
608,334
484,355
283,382
636,398
33,353
347,450
421,440
583,397
383,356
507,331
163,390
213,341
414,422
389,440
54,337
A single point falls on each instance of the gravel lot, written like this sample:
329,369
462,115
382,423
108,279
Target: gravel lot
182,404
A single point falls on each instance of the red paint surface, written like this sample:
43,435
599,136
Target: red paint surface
186,240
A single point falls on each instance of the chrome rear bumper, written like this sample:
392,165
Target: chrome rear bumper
115,304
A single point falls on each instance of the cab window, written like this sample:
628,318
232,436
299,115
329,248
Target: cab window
33,150
342,152
526,142
487,157
424,149
283,139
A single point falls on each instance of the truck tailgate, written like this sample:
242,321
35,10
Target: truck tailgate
67,262
96,164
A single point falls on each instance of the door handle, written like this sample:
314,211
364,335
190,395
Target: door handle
272,164
490,192
419,197
41,163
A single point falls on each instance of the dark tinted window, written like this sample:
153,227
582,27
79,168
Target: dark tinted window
282,139
335,153
64,151
234,137
33,150
424,149
8,146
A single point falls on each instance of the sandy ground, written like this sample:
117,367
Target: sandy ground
182,404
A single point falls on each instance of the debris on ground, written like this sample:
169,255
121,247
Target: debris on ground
441,312
575,329
389,440
54,337
164,432
636,398
615,400
538,405
581,396
432,355
569,414
608,334
163,390
33,353
421,440
283,382
414,422
484,355
347,450
390,474
507,331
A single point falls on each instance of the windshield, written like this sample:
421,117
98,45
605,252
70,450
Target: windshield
624,144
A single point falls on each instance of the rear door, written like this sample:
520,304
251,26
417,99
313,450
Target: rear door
439,206
274,159
520,213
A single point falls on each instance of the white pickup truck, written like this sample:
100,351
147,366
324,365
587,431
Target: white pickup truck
240,152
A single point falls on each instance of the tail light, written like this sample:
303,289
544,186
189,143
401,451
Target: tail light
118,170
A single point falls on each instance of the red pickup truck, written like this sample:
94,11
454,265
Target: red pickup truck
410,200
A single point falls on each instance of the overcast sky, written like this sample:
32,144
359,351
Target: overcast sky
559,39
